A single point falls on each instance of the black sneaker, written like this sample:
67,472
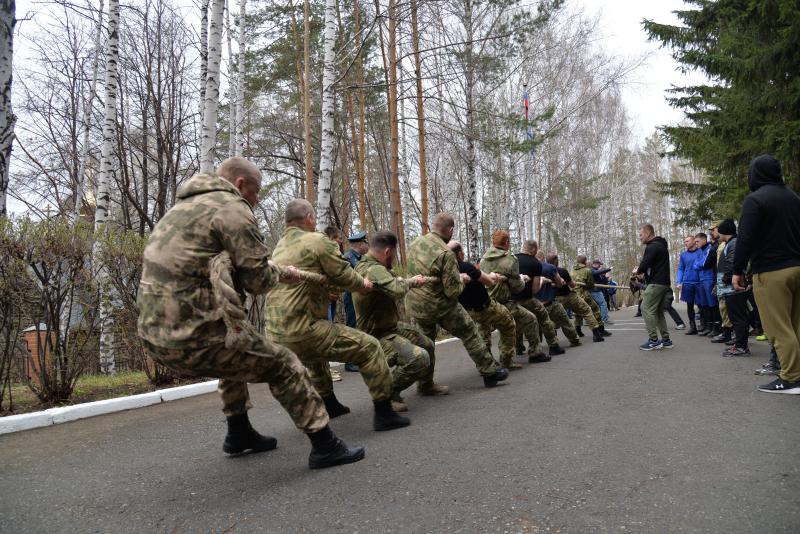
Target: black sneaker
780,385
768,370
736,351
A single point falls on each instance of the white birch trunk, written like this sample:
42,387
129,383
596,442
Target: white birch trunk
107,360
241,77
203,56
208,138
87,117
7,118
233,84
328,133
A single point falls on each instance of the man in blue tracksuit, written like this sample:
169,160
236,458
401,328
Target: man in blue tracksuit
705,298
689,280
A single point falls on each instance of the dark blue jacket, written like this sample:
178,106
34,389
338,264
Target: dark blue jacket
686,272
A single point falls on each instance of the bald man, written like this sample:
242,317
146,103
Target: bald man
182,327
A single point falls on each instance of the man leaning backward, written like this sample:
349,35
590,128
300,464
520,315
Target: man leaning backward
181,325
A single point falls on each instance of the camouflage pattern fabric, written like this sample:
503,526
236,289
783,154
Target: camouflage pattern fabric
561,320
263,362
595,309
723,307
180,321
580,309
436,303
176,306
582,273
428,255
500,261
406,348
297,315
408,351
546,326
497,316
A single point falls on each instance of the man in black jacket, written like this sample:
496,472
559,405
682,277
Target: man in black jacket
655,269
769,238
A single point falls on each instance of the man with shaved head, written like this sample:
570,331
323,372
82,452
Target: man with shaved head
436,304
182,326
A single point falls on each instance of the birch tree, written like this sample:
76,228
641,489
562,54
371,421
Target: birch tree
328,132
208,137
107,361
241,77
203,55
7,118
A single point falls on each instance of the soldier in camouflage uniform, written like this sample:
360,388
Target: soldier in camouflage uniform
182,328
498,259
568,298
436,304
582,276
296,317
487,314
406,348
530,265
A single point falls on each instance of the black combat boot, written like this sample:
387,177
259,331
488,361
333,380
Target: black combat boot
491,380
692,328
579,331
604,332
597,335
334,407
716,329
327,450
555,350
386,418
705,323
242,437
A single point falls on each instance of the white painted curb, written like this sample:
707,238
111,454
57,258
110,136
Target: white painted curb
54,416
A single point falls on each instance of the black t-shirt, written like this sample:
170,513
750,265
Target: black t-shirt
532,267
474,296
564,290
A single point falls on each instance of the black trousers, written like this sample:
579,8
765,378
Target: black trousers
737,311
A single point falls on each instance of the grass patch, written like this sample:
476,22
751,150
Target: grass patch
89,388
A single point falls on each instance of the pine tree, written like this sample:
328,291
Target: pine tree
750,49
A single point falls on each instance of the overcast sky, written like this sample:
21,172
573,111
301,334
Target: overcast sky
623,35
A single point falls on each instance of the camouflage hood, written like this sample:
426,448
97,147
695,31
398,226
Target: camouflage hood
203,183
501,261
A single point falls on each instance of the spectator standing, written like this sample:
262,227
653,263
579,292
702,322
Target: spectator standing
769,238
735,300
688,280
597,293
358,247
706,267
654,267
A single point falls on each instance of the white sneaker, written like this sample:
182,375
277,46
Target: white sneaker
680,327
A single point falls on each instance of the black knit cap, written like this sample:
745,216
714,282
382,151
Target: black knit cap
727,227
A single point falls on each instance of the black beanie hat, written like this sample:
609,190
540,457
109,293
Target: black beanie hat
764,169
727,227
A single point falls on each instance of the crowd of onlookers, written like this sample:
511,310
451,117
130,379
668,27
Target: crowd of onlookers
737,281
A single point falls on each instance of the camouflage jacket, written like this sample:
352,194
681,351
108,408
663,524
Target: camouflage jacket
292,309
582,273
176,305
377,312
497,260
428,255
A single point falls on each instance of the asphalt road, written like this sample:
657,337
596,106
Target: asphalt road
604,438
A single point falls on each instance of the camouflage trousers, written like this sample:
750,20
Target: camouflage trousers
457,321
527,325
580,309
408,351
263,361
561,320
546,326
332,342
587,298
497,316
